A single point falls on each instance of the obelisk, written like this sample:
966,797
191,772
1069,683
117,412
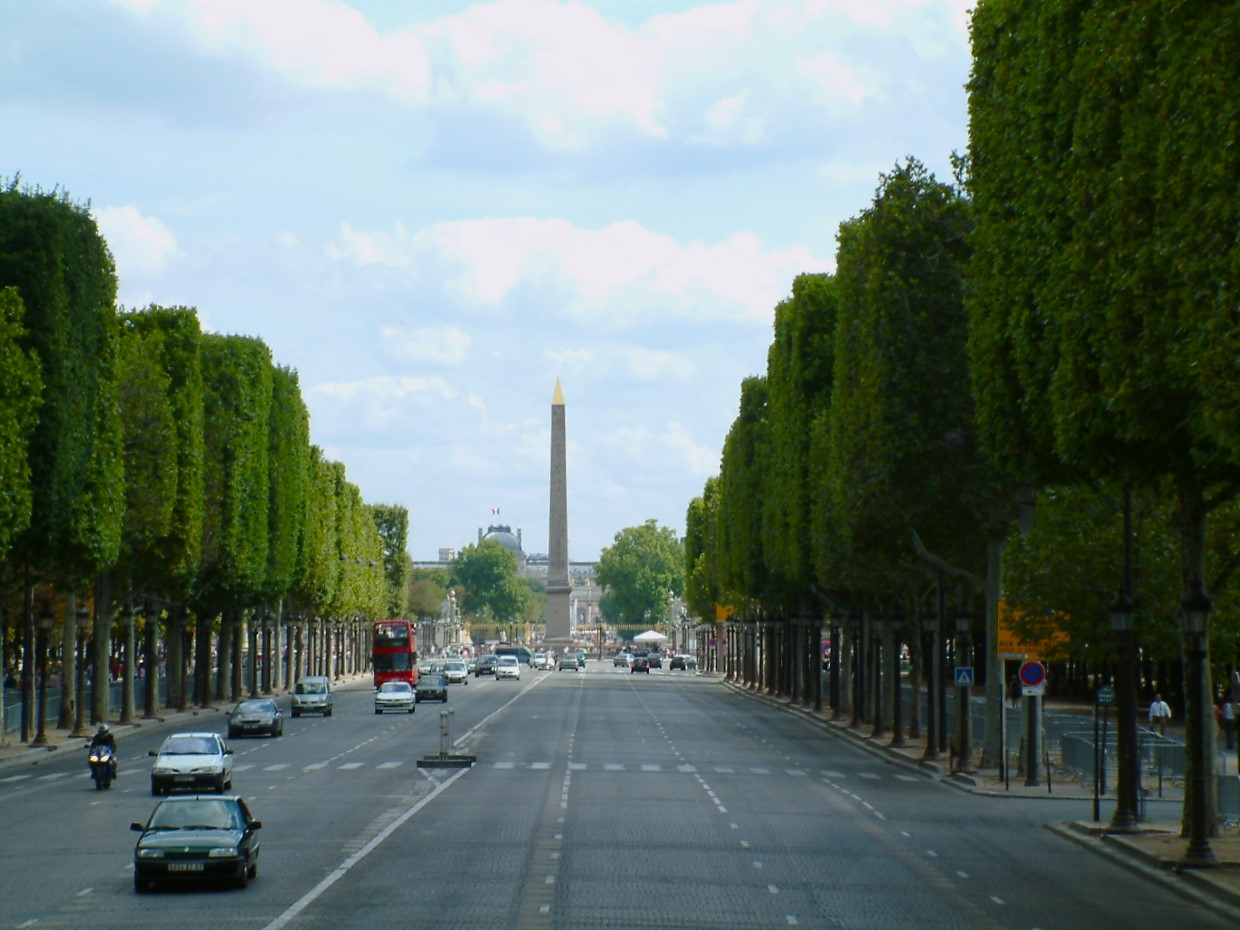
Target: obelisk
559,629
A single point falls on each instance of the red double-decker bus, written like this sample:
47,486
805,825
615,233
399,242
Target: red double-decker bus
395,653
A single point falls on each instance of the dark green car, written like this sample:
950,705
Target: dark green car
196,838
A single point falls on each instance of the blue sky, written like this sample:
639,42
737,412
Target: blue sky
432,210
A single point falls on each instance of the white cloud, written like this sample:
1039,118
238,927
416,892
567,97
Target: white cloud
142,245
620,272
572,74
447,345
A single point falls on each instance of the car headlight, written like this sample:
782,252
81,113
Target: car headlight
161,770
150,854
223,852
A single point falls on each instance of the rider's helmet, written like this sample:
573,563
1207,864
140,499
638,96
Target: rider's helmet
103,728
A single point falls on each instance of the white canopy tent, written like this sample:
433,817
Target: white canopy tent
650,636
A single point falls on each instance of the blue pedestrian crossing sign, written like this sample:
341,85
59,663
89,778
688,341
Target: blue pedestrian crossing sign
964,676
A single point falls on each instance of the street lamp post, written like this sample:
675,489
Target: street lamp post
930,629
45,630
1196,609
896,627
79,708
879,623
1124,819
964,647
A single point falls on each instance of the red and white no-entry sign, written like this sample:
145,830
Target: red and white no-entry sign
1032,677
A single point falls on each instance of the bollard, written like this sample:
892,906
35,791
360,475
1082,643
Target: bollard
445,732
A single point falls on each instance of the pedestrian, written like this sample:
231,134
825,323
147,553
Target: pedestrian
1014,692
1229,723
1160,713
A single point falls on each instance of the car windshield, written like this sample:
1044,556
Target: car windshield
255,707
431,681
310,687
191,746
195,814
391,687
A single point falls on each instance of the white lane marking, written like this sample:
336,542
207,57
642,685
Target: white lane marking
390,765
792,921
613,767
539,766
317,891
797,772
773,889
872,776
996,899
276,767
314,765
348,766
652,768
962,874
759,771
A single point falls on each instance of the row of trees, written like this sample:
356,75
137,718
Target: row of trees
1058,321
146,464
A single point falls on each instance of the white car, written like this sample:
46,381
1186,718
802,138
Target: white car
456,671
544,660
192,761
395,695
507,667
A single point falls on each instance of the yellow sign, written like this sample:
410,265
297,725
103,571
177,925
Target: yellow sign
723,612
1041,639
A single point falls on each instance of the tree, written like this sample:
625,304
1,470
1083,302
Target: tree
1104,157
21,389
486,576
52,253
642,568
743,577
288,470
392,522
799,374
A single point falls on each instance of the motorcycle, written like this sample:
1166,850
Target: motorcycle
102,766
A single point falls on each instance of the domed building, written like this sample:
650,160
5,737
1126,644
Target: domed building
504,536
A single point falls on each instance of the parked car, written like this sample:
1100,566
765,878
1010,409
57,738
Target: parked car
312,695
683,662
431,687
260,715
567,662
196,838
622,660
507,666
192,761
640,664
486,665
395,695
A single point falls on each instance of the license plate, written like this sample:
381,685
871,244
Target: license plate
184,866
184,778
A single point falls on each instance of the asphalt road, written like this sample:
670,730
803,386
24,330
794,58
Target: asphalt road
599,799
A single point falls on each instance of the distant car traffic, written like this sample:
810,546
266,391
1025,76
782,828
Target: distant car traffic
655,659
683,662
394,695
312,695
192,761
456,672
567,662
622,659
544,660
486,665
431,687
196,838
507,666
260,715
640,664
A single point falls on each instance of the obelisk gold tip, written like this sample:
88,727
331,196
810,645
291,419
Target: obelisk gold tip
557,399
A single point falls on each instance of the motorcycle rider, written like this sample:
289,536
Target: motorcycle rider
104,737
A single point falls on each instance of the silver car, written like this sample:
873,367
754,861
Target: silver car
312,695
395,695
192,761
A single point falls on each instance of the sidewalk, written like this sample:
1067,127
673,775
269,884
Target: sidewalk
1156,851
15,754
